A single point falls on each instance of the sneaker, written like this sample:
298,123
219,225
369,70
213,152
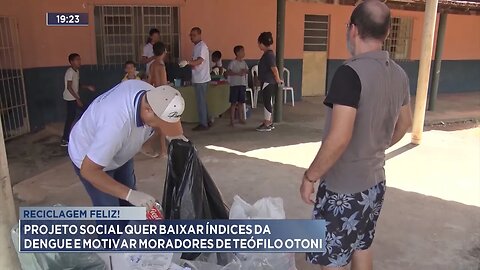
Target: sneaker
264,127
200,128
63,143
271,126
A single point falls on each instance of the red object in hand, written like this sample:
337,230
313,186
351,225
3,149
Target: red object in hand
155,213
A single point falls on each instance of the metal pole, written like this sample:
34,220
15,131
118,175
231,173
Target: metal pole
424,70
8,217
278,110
442,26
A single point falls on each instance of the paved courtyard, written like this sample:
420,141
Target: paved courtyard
431,215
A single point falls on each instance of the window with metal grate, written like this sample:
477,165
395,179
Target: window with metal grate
122,31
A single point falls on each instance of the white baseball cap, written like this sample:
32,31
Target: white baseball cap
168,104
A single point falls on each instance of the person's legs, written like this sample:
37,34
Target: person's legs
350,229
267,111
334,208
233,101
267,102
71,113
78,113
362,259
163,145
210,118
241,101
151,147
233,107
241,112
332,268
155,146
201,97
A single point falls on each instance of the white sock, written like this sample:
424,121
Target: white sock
266,114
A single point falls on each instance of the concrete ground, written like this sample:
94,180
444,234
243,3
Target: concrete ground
431,215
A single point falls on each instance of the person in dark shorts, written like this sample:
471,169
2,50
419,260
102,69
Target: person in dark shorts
269,78
237,77
367,112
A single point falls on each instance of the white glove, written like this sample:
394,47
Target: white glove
138,198
183,63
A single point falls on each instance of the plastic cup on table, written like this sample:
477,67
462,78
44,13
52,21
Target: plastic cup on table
177,82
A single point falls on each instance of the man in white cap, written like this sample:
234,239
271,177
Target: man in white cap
112,131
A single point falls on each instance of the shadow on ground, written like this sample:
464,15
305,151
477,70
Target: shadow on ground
415,231
31,154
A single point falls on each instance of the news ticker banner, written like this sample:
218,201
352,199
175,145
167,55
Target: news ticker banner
82,213
125,229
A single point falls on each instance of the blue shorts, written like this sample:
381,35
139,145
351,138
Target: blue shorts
350,220
237,94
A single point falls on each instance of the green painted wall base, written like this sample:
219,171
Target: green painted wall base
44,86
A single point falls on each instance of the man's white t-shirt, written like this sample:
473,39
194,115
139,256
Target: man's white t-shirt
148,52
111,131
74,76
237,66
201,73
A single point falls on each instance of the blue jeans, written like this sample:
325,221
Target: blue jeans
201,96
125,175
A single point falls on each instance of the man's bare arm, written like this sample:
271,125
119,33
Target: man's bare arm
196,62
94,174
145,60
230,72
404,122
337,140
276,75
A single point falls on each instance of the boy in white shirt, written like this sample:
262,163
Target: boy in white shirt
131,72
237,77
71,96
148,56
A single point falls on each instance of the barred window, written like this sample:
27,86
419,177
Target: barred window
315,34
399,40
122,31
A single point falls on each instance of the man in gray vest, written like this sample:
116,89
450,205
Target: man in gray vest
367,112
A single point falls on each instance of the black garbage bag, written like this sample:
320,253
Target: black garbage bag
189,191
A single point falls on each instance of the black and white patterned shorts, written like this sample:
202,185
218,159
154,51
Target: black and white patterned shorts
350,221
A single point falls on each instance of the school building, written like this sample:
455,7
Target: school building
33,56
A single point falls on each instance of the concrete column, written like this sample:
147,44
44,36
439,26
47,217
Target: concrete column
442,26
8,217
278,109
430,18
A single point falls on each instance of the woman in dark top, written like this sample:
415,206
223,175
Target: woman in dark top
269,78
